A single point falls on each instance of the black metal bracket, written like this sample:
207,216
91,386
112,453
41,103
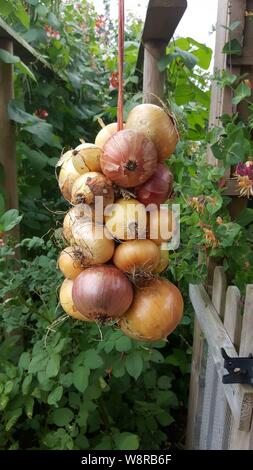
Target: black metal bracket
240,369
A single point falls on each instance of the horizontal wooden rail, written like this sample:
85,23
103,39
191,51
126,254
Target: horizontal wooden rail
239,397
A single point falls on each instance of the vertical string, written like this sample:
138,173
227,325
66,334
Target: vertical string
120,64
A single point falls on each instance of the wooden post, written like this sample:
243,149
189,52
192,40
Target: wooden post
153,79
7,130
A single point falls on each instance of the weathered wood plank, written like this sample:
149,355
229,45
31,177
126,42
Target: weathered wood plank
197,386
162,18
243,440
239,397
232,324
153,79
7,130
212,400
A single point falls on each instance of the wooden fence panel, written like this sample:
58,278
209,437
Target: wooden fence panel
211,381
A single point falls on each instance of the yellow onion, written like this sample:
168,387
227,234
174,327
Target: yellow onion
70,262
91,185
157,125
68,175
102,293
160,225
94,241
164,259
136,256
80,212
155,312
86,156
126,219
105,133
67,303
129,158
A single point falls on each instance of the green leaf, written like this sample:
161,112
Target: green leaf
123,344
189,59
134,364
227,233
24,360
164,382
26,70
55,395
29,404
241,92
232,47
62,416
38,362
10,219
126,441
21,14
233,26
53,366
245,218
204,57
26,384
12,418
92,360
8,58
81,378
19,115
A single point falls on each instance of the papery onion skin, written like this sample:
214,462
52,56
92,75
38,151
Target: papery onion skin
155,312
160,225
70,262
158,188
129,158
136,256
102,293
67,303
67,176
105,133
157,125
86,156
126,219
91,185
164,259
94,241
80,212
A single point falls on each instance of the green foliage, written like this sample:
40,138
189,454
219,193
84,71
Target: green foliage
65,384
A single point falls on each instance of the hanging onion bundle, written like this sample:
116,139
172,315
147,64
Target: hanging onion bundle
70,262
164,259
91,185
126,219
129,158
160,225
68,174
81,212
105,133
86,156
94,241
158,188
137,256
157,125
67,303
155,312
102,293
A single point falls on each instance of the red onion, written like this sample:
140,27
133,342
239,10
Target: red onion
129,158
102,293
158,188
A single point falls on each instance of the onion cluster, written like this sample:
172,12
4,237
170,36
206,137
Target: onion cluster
116,232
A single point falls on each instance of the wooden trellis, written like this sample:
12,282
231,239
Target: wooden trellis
220,416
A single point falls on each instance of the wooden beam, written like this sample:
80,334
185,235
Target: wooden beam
162,19
21,48
239,397
153,79
7,130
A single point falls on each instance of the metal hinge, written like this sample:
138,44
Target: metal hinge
240,369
